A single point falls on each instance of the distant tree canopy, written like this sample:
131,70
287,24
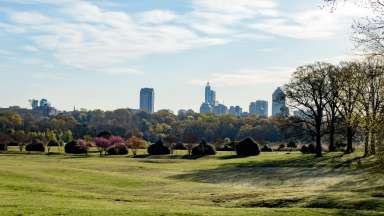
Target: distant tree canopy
188,128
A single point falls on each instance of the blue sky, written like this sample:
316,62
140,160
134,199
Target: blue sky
99,53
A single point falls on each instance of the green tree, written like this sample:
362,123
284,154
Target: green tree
307,92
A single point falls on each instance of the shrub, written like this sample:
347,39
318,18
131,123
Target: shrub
266,148
204,149
158,149
117,149
104,134
36,146
311,149
292,144
281,147
247,147
102,144
116,140
304,149
3,147
74,147
135,143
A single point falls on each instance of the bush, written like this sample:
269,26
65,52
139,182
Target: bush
292,144
304,149
3,147
117,149
204,149
37,147
74,147
311,149
247,147
158,149
281,147
104,134
266,148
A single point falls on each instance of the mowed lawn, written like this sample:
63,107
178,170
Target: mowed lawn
270,184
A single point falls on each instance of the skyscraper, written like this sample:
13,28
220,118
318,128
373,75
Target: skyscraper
210,95
147,100
279,105
220,109
259,108
235,110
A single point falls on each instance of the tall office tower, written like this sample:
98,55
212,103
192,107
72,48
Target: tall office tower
147,100
220,109
34,103
279,105
235,110
210,95
205,108
259,108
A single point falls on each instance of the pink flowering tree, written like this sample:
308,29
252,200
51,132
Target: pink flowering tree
82,144
102,144
116,140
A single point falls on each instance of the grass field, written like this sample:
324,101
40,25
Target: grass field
270,184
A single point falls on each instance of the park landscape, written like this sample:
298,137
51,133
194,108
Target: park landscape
320,153
273,183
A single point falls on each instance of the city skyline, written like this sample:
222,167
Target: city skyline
173,47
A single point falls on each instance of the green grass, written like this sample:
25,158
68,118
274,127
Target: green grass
270,184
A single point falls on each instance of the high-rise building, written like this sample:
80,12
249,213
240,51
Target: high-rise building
235,110
220,109
259,108
34,103
279,105
205,108
210,95
147,100
43,107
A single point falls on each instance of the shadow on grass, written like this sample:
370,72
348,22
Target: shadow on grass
272,171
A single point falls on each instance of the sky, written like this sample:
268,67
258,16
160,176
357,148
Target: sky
97,54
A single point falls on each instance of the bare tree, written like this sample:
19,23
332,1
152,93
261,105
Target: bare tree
349,92
372,102
368,31
332,107
307,92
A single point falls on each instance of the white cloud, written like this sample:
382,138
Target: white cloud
123,71
247,77
85,35
314,23
29,18
30,48
33,61
157,16
5,52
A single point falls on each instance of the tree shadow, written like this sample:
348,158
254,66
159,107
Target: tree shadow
269,172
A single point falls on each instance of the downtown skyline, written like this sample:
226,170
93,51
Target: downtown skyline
245,58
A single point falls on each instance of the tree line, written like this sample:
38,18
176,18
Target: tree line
22,126
346,98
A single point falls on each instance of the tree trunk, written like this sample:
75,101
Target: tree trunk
372,147
331,147
318,138
366,144
349,149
